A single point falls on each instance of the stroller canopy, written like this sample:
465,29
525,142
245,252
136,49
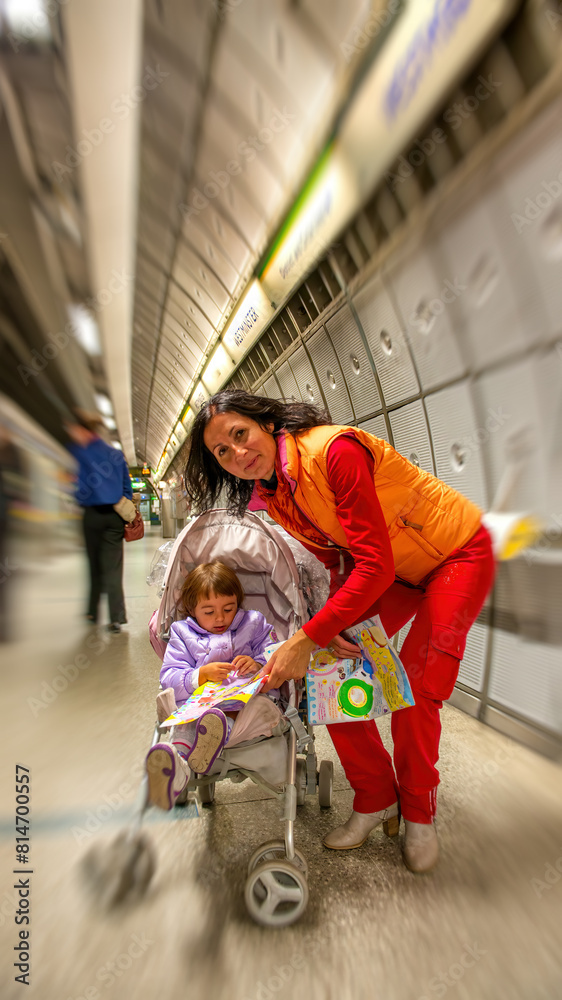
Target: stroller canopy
257,553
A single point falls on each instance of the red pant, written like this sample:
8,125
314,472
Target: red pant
445,609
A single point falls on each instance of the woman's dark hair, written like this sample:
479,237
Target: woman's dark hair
204,478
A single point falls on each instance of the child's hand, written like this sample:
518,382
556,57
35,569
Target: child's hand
217,672
246,665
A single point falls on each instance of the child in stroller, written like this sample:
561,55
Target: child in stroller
216,638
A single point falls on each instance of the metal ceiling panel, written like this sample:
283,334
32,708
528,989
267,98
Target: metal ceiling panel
221,144
473,663
288,383
426,303
492,322
376,426
331,378
185,345
354,362
187,312
285,44
411,436
193,268
386,342
456,442
306,378
197,292
208,235
271,386
531,219
510,430
509,679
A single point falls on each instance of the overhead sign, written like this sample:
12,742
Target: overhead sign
247,323
428,48
326,203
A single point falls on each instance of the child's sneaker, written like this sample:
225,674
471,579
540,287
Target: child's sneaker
211,734
167,774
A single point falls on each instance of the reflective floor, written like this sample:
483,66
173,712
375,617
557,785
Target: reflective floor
79,711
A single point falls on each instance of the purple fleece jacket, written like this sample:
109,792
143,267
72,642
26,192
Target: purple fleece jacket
191,646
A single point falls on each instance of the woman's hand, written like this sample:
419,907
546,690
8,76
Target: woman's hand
344,649
217,672
290,661
246,665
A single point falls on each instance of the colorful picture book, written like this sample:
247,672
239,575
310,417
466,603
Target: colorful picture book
229,696
347,690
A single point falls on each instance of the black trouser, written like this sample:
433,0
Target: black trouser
103,531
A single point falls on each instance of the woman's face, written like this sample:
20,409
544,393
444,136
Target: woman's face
241,446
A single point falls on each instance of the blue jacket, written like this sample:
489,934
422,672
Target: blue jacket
191,646
103,475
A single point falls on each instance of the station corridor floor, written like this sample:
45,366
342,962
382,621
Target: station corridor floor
485,925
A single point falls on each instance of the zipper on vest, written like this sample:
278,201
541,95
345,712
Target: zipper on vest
342,562
412,524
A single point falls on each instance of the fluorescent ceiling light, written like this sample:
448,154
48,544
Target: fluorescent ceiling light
28,18
199,397
217,370
180,431
84,329
103,404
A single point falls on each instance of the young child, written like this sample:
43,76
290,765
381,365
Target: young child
217,637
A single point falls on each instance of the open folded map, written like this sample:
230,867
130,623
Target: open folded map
229,696
344,690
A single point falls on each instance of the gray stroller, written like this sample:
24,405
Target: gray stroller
285,763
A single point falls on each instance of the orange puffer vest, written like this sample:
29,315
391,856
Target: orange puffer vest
426,519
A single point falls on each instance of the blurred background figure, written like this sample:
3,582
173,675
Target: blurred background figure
10,492
103,479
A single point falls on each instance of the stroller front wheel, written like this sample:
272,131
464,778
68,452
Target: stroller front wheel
274,850
276,894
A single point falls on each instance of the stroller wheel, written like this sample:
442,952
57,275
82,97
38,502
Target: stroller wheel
207,794
276,894
120,870
325,783
274,850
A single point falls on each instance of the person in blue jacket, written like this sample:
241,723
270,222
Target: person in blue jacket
103,478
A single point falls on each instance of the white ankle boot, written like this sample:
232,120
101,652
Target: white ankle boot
358,827
421,848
